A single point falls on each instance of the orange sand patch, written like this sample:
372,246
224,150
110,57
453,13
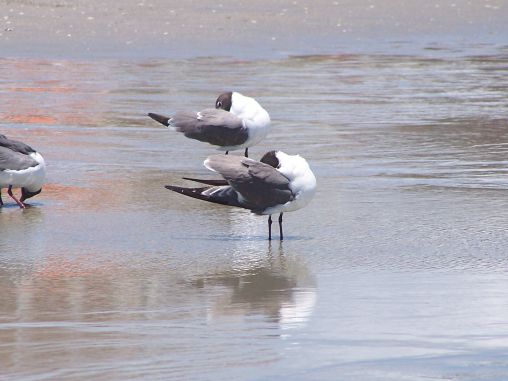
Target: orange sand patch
69,118
31,119
58,267
67,193
99,194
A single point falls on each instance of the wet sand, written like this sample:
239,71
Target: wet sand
397,270
260,29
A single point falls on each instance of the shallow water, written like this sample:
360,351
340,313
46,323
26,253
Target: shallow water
396,271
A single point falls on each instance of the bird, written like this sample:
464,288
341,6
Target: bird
278,183
20,166
236,122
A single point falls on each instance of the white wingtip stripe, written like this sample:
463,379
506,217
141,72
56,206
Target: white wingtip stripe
206,163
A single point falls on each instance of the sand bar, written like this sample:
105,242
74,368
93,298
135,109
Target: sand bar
261,28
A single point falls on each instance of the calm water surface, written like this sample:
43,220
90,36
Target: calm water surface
396,271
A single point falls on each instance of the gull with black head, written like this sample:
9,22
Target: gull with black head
236,122
278,183
20,166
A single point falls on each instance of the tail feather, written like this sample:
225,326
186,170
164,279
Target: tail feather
159,118
224,195
191,192
207,181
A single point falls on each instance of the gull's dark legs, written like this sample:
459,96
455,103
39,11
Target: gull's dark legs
270,227
9,191
227,152
280,227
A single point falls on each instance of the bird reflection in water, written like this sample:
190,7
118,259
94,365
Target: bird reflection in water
277,287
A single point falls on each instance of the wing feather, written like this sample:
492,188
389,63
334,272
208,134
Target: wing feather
15,145
14,160
214,126
259,184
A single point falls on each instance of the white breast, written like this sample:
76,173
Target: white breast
302,182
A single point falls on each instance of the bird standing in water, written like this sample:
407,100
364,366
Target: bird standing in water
277,183
236,122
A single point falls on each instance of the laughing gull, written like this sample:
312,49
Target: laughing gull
278,183
20,166
236,122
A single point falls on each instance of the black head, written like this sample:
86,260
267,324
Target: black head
27,194
271,159
224,101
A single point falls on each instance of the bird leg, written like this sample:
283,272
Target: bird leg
227,152
9,192
247,152
270,227
280,227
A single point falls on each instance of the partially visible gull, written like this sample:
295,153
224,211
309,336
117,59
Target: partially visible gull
20,166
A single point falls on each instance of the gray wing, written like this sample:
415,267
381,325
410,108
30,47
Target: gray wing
15,145
260,185
224,195
15,160
214,126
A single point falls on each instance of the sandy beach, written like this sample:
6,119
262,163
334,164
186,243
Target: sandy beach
251,29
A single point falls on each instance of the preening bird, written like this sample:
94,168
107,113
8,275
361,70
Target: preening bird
277,183
236,122
20,166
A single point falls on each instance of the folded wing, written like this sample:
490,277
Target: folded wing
247,184
12,160
15,145
260,185
214,126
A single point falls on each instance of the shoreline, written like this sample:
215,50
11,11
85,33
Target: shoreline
158,29
431,49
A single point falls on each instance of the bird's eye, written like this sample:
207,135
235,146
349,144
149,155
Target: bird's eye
219,104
